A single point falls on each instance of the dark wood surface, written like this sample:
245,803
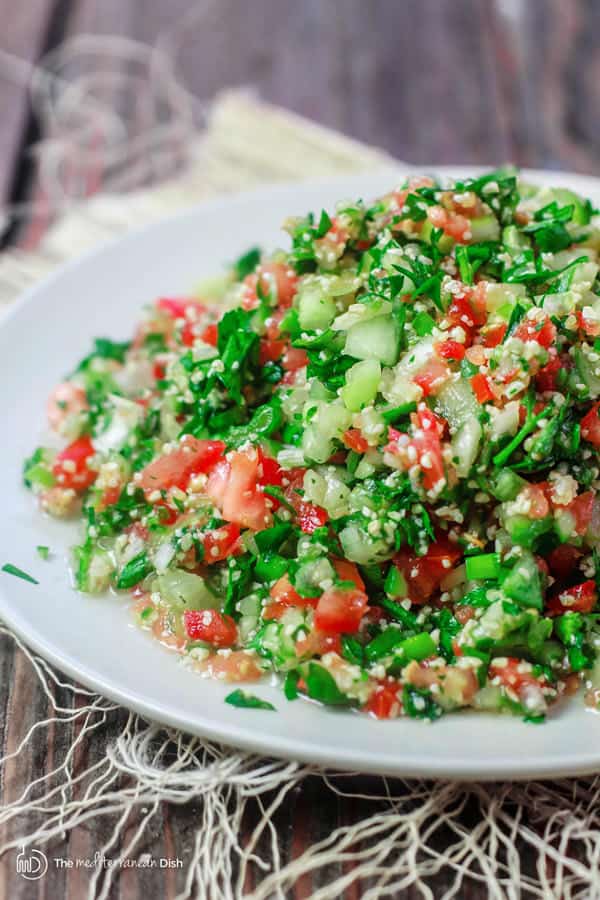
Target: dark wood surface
449,81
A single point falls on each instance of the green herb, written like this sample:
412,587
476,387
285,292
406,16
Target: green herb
321,686
246,263
135,571
43,551
18,573
243,700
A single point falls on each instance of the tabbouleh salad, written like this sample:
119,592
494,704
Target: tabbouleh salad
368,463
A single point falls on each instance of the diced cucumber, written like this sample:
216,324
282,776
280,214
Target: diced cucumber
525,531
498,295
362,384
565,197
456,402
326,488
514,239
310,576
587,371
445,243
484,228
465,446
328,422
374,339
506,484
315,308
183,590
523,584
395,583
360,547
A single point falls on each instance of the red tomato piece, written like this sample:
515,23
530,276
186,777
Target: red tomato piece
545,380
537,495
481,388
210,334
220,543
270,351
167,514
590,425
234,486
384,702
453,224
310,517
424,574
543,331
175,469
582,508
340,611
353,440
71,468
294,359
429,421
494,335
432,376
580,598
211,626
347,571
275,278
467,310
450,350
176,307
514,674
317,643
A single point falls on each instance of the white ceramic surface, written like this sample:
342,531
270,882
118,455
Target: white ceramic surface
94,640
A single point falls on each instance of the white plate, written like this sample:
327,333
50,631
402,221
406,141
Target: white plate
94,640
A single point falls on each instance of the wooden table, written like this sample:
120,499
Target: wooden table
449,81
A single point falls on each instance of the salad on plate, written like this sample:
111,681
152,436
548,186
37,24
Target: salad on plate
368,463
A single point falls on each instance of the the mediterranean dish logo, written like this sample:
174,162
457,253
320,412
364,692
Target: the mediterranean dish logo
31,863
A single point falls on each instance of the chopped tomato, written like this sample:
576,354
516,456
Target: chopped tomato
545,380
590,425
537,497
563,560
233,485
310,517
284,595
270,472
110,496
347,571
582,508
220,543
187,334
453,224
542,331
175,469
71,468
427,446
276,278
513,673
67,399
293,359
353,440
237,666
167,514
210,334
158,370
211,626
468,310
340,611
177,307
580,598
494,335
317,643
270,351
384,702
424,574
450,350
481,388
429,421
432,376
